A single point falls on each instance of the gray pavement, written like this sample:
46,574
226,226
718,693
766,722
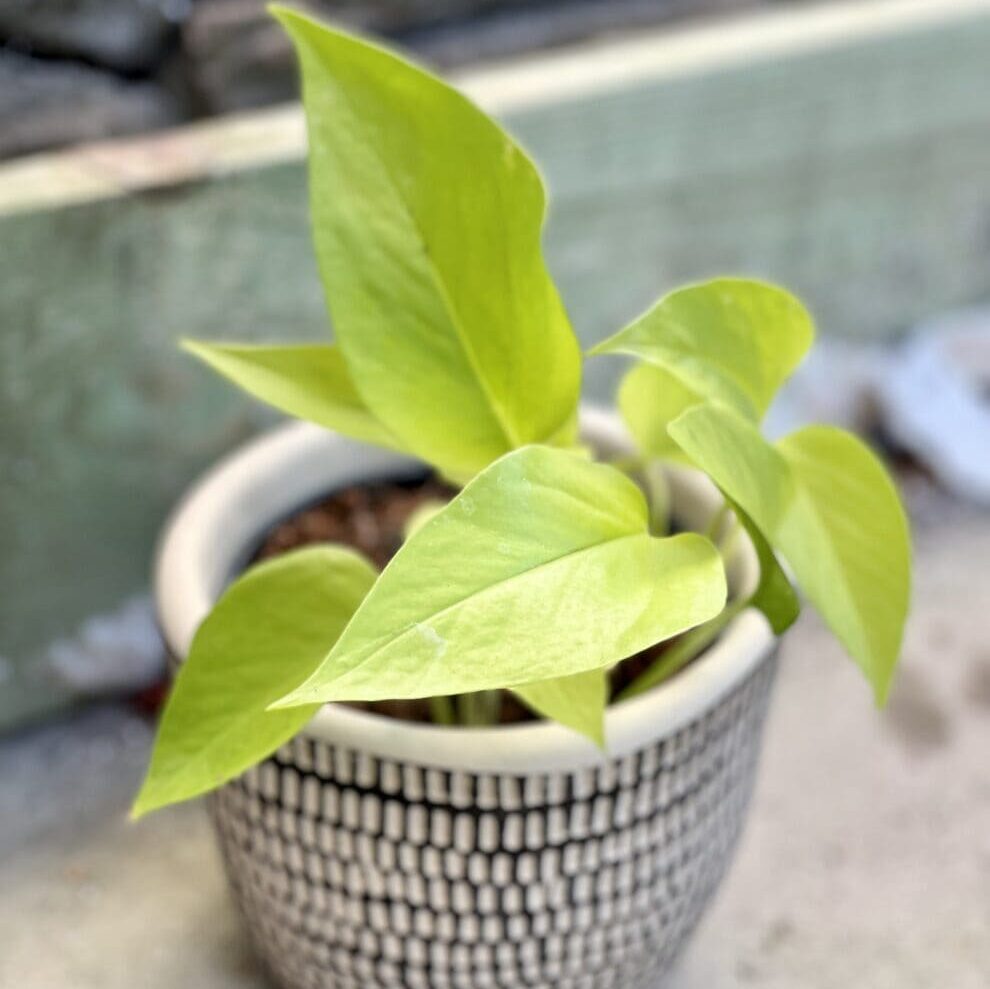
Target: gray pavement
866,862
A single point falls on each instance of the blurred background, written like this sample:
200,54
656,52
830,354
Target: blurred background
152,185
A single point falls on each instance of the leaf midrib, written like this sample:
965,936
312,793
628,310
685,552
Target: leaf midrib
838,567
409,630
508,433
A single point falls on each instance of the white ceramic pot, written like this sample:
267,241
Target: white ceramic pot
371,852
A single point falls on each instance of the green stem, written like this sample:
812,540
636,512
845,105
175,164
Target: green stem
492,702
442,711
465,709
727,544
631,463
715,522
725,539
681,652
658,497
480,708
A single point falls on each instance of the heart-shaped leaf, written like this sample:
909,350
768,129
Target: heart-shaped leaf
825,502
309,381
542,567
427,220
731,339
268,631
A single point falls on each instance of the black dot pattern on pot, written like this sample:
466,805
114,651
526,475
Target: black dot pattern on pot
355,872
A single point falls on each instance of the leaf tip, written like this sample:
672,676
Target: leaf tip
144,803
591,729
292,20
281,12
195,347
881,690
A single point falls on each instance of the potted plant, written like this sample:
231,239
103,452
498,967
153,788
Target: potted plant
521,752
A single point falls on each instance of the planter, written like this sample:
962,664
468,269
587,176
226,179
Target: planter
372,852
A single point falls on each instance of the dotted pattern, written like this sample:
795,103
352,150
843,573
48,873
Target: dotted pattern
355,872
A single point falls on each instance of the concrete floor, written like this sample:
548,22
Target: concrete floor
866,862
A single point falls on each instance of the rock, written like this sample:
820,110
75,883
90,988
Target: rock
117,652
239,57
933,398
45,104
833,385
125,35
928,397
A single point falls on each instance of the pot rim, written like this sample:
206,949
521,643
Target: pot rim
211,533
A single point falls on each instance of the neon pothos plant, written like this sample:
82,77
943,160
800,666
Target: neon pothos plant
547,568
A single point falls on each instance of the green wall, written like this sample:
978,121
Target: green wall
858,173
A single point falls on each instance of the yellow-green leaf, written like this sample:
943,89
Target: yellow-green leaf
542,567
268,631
826,503
309,381
650,398
577,701
731,339
427,220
